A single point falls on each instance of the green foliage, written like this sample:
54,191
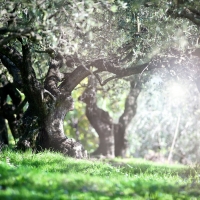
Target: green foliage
163,31
159,105
53,176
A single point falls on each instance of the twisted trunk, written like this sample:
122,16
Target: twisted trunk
112,141
42,123
50,101
125,119
100,121
52,133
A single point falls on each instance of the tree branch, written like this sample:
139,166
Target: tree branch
102,83
32,87
102,65
13,34
27,71
191,14
74,78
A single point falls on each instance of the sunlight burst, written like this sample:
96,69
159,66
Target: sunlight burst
176,91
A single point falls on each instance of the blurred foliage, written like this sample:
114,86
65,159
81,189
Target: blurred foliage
159,106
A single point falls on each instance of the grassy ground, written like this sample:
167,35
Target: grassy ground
52,176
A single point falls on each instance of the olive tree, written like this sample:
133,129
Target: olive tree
49,47
59,33
112,135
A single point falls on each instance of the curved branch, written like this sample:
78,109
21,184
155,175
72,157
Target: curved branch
102,65
102,83
74,79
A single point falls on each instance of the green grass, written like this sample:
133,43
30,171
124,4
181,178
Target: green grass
52,176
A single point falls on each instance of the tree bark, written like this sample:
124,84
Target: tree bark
102,123
42,123
100,120
51,101
112,141
52,134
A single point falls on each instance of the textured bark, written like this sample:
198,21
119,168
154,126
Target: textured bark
28,129
100,120
111,136
54,76
48,105
102,123
47,100
52,134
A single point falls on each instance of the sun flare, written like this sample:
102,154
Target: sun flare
176,91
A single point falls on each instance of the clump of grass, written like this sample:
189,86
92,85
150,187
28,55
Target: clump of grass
50,175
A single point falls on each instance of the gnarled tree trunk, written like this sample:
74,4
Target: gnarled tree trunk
111,136
100,120
52,135
50,100
48,104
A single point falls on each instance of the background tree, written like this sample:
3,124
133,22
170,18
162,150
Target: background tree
163,100
112,136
